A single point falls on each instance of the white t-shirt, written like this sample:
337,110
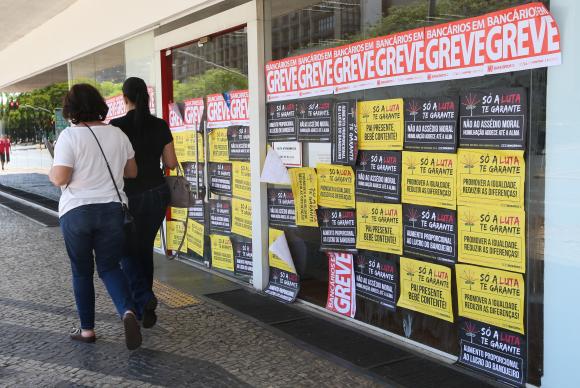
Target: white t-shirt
91,183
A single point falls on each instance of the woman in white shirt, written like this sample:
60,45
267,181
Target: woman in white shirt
90,209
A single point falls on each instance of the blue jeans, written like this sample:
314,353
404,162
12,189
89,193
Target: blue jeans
96,228
148,209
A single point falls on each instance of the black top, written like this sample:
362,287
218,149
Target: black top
148,143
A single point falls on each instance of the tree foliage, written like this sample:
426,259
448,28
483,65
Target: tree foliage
211,82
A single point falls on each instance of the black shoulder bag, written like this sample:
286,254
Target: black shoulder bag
128,219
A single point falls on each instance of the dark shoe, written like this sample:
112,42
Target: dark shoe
149,316
76,335
133,337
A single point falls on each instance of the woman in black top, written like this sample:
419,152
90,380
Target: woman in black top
148,193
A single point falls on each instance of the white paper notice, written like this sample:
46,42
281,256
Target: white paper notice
274,170
280,248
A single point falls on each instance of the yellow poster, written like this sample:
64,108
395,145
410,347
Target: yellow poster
175,233
491,177
178,213
493,237
491,296
179,144
429,179
274,260
380,124
157,241
218,145
189,148
304,189
195,237
242,217
426,288
241,180
335,186
379,227
222,253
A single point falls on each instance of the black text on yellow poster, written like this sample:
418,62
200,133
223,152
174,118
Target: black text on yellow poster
242,217
493,237
429,179
222,254
175,234
178,213
191,151
273,259
179,144
491,296
380,124
379,227
157,241
195,237
241,186
304,189
335,186
490,177
218,145
426,288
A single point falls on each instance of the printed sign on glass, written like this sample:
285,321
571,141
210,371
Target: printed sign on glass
493,350
220,178
426,288
491,296
378,175
197,211
281,123
222,255
218,145
337,229
491,177
314,120
431,124
281,210
242,217
243,264
429,179
283,285
220,216
335,186
493,237
344,133
341,287
430,233
305,192
241,181
239,142
380,124
195,237
376,278
493,118
379,227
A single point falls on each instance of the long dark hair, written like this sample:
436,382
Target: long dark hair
135,90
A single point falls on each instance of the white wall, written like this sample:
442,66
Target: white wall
83,27
562,223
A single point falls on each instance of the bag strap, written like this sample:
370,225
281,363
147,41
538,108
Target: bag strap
164,241
107,162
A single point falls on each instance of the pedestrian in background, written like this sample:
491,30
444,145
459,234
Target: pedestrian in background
90,160
148,193
5,147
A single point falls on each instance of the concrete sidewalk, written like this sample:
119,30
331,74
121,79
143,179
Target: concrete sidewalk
201,345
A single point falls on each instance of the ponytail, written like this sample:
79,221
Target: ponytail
136,91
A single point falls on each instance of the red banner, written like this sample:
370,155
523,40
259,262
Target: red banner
117,106
519,38
192,112
239,114
341,286
175,119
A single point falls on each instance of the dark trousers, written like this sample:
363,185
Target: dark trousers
94,234
148,209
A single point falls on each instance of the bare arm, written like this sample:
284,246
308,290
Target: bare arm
168,156
130,169
60,175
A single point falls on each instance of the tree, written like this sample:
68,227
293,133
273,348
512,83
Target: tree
211,82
